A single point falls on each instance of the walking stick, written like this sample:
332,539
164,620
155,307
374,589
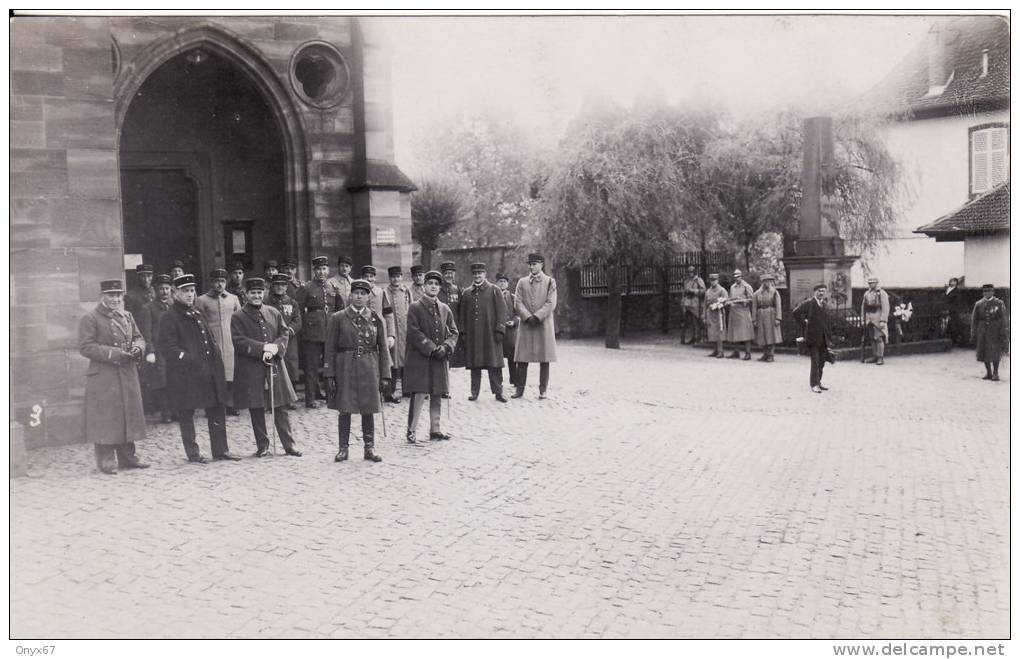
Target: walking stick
272,401
382,411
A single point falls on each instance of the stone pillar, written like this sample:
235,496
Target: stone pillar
65,213
380,191
819,253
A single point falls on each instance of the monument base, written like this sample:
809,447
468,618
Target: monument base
805,272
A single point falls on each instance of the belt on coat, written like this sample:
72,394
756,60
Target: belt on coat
359,351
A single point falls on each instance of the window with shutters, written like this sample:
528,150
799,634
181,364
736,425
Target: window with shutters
989,157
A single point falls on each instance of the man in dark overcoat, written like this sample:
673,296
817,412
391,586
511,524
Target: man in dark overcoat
317,300
431,339
194,372
989,325
113,416
481,323
813,318
142,292
261,338
357,368
153,370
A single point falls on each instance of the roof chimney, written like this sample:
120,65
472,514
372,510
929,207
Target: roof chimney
936,61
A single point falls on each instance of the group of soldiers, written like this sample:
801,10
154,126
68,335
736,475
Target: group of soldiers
237,346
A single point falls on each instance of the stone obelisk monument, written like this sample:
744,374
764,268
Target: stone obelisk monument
820,256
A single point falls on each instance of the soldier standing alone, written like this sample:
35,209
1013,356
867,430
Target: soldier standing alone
989,325
875,312
481,324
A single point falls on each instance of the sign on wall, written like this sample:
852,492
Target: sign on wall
385,237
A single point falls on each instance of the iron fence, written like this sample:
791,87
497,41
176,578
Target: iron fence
847,328
648,280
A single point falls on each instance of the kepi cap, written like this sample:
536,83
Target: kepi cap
279,279
177,264
446,266
111,286
345,259
184,280
143,268
501,276
367,270
434,274
218,273
237,265
395,270
535,257
361,284
986,287
272,264
477,267
319,260
289,262
417,269
255,283
161,279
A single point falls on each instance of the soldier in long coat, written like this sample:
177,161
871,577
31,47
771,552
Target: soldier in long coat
510,335
288,308
449,295
113,417
767,311
417,287
194,372
357,368
142,292
317,300
989,325
875,312
217,306
398,299
261,337
431,339
153,370
481,324
715,315
535,297
691,306
741,326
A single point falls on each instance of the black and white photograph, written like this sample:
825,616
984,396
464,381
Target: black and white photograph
503,325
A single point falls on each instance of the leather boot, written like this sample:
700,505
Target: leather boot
410,437
344,425
370,450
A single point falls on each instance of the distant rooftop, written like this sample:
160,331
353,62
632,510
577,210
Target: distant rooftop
962,66
985,214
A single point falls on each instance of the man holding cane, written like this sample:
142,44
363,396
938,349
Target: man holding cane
261,338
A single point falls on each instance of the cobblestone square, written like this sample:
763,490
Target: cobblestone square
656,493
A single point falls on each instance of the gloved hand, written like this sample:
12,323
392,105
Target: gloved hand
390,341
136,352
384,385
271,348
150,358
122,357
331,388
267,357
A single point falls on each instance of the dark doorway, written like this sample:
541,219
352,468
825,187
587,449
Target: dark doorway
200,152
161,198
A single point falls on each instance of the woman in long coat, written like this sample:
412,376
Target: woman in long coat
255,328
715,315
740,328
431,339
357,367
113,417
989,325
536,299
767,311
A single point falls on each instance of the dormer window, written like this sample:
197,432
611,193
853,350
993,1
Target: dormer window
989,157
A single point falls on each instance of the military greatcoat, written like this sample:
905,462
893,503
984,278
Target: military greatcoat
482,314
217,309
740,328
194,367
316,302
252,328
715,319
989,325
398,298
153,375
358,357
113,397
536,296
430,323
767,309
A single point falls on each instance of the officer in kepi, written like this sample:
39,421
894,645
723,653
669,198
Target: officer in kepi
142,293
357,368
431,338
287,306
194,372
114,419
317,300
989,325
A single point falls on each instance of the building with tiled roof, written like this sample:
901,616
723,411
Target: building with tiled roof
946,107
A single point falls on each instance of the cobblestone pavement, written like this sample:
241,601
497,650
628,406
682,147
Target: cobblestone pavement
656,493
